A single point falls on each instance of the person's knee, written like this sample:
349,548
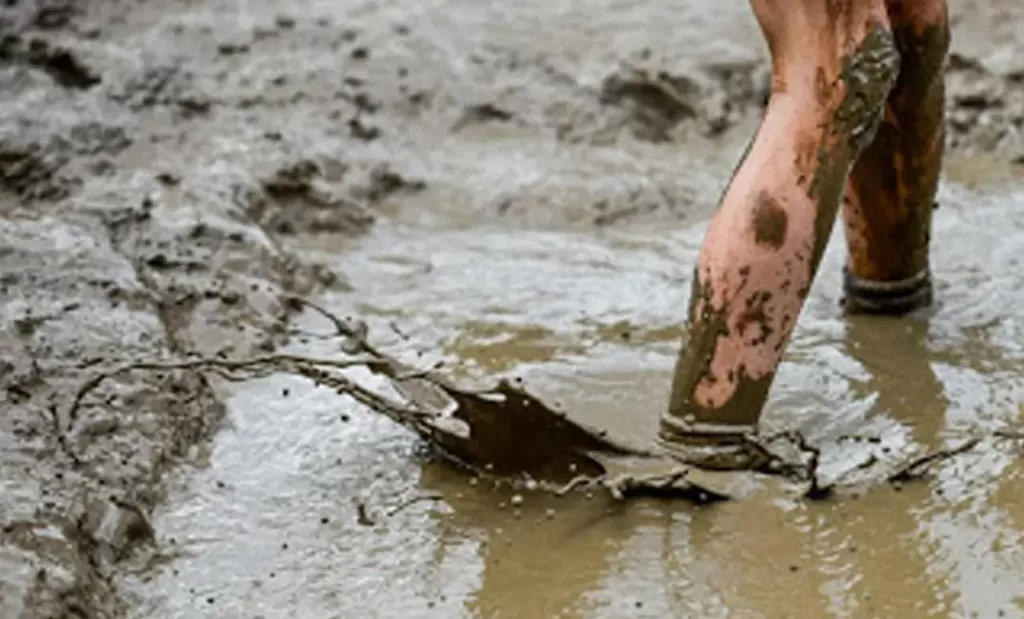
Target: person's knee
836,20
811,41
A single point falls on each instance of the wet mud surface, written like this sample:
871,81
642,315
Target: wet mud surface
510,191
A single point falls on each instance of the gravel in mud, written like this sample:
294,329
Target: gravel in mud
159,164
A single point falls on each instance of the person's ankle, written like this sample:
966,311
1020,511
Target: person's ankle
888,298
706,445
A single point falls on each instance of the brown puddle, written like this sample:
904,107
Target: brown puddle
940,547
486,188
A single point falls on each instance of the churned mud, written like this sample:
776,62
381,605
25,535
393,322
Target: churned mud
508,190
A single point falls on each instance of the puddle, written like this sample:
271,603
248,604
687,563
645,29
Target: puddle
552,307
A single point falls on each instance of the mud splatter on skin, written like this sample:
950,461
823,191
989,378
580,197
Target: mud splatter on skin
755,316
867,76
694,366
770,222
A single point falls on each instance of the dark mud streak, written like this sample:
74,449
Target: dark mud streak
739,164
770,222
61,64
868,76
706,328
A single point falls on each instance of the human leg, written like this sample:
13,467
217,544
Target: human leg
887,212
833,65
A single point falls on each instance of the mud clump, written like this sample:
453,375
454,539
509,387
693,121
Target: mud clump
42,15
39,163
333,197
298,200
985,106
714,98
481,113
161,85
61,64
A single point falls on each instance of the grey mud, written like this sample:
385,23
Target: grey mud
492,187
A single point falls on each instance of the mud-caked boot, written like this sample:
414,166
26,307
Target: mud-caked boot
834,64
891,194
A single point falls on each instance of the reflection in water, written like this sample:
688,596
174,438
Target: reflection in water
972,519
895,355
886,552
541,557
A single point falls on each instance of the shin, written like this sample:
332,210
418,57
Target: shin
831,76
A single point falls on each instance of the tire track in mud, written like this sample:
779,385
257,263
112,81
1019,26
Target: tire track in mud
157,177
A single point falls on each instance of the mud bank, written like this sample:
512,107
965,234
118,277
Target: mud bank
170,171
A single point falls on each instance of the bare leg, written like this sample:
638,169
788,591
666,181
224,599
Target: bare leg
888,208
833,65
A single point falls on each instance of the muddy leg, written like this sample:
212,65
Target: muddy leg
888,208
833,65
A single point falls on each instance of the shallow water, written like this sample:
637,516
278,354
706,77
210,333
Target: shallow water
590,320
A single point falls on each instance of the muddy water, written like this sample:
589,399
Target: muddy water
487,188
588,320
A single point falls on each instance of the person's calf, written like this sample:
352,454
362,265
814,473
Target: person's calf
834,64
888,207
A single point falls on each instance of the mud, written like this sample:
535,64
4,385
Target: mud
513,190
